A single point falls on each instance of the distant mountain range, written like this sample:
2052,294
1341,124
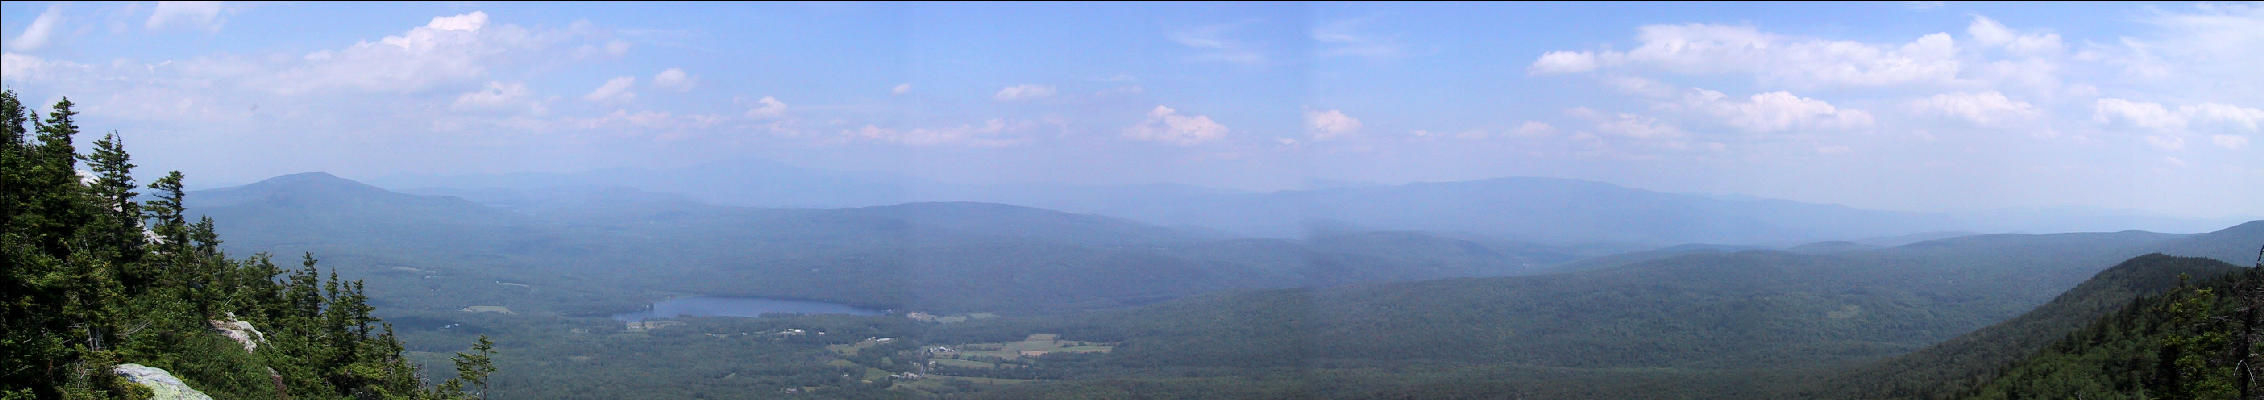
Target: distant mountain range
1545,210
1206,295
620,246
1707,309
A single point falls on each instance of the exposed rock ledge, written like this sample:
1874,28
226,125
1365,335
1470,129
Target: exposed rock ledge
163,384
241,331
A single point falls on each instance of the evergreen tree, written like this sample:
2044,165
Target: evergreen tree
83,288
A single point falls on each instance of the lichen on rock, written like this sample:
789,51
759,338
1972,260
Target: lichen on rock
159,382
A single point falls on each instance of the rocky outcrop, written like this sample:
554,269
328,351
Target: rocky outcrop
163,384
241,331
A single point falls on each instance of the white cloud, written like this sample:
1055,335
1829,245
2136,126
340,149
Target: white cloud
1703,49
1990,33
1331,124
1774,111
1023,92
901,89
2157,117
1640,86
1533,129
1636,126
2234,142
40,31
2226,115
991,133
767,108
2143,114
1166,125
1560,62
448,51
1984,108
648,121
614,48
24,68
185,14
496,96
464,22
675,79
615,90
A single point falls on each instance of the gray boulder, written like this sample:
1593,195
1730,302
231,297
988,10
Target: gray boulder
160,382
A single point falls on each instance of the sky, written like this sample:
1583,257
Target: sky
1911,106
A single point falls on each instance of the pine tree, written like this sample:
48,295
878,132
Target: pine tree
113,193
472,369
74,260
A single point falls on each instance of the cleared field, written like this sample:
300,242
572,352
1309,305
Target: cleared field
1035,345
964,363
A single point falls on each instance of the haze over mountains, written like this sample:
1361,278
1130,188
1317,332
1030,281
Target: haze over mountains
1545,210
1365,288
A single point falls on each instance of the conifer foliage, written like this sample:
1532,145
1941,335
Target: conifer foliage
92,278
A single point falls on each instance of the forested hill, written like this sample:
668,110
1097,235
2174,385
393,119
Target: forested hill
1963,363
2200,340
1713,311
98,288
952,256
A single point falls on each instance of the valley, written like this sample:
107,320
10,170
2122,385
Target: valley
977,299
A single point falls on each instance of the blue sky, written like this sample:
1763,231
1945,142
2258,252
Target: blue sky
1903,106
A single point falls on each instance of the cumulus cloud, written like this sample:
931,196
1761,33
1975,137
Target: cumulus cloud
901,89
23,68
449,50
2225,115
1774,111
1560,62
1023,92
40,32
1628,125
1983,108
203,15
1165,125
2157,117
1702,49
1990,33
675,79
615,90
1330,124
496,96
767,108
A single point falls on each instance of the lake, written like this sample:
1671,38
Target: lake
720,306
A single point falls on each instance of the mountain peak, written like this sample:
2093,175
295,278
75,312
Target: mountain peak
304,177
305,187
